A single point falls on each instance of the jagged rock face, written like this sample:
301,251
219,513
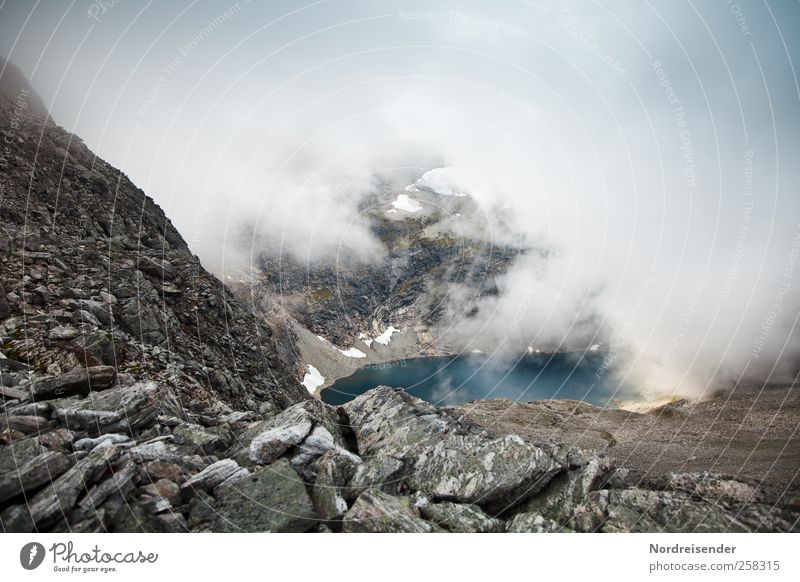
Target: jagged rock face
94,274
410,286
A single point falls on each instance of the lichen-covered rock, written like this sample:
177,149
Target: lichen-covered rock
79,381
307,429
117,410
378,512
410,445
271,499
459,518
27,473
211,477
569,489
533,523
331,473
197,439
52,503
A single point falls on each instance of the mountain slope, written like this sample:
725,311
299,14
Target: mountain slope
96,274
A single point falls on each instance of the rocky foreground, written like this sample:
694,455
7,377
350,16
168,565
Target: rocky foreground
137,393
128,458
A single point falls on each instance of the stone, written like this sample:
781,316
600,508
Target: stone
119,482
166,489
118,410
10,393
26,424
569,489
533,523
78,381
32,473
332,471
87,444
284,433
209,478
271,499
411,445
318,442
159,469
202,440
455,517
155,450
63,333
379,512
49,506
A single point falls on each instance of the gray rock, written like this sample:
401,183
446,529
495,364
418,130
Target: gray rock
379,512
11,393
209,478
155,450
202,440
317,443
284,432
533,523
31,473
78,381
331,473
272,438
63,333
119,482
26,424
460,518
569,489
411,445
87,444
272,499
117,410
52,504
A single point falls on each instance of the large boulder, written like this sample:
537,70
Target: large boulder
408,444
50,506
272,499
78,381
378,512
118,410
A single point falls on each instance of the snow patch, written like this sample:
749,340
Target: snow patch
594,348
407,204
313,379
440,181
386,336
351,353
366,339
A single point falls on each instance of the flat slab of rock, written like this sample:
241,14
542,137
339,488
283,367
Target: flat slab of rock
272,499
212,477
79,381
375,511
458,518
32,473
117,410
411,445
53,503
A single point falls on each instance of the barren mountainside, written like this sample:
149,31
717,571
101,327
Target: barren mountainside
139,394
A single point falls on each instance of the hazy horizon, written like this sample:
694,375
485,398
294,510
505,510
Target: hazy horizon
651,147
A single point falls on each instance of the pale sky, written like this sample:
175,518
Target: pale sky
655,143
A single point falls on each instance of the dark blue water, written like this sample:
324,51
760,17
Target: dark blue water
459,379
